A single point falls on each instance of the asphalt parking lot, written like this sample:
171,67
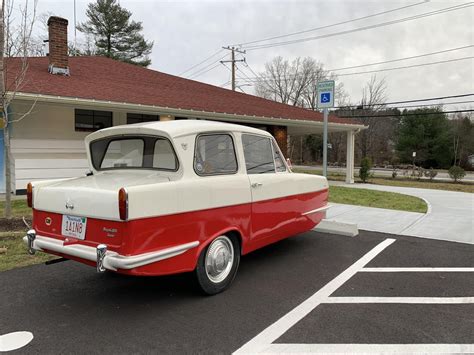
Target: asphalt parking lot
314,292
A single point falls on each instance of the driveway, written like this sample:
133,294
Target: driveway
450,215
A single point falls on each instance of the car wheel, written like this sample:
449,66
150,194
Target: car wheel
218,264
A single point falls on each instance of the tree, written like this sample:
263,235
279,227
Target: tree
115,34
294,83
463,139
364,171
456,173
375,141
427,132
15,40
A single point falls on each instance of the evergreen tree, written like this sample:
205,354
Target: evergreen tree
428,134
115,34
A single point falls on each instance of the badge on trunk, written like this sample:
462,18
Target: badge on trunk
69,204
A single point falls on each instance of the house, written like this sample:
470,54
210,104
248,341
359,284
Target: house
69,97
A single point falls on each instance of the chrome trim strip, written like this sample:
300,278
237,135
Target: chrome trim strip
320,209
111,260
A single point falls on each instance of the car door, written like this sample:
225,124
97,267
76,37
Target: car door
271,187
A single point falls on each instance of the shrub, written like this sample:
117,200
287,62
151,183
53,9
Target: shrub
431,173
364,171
456,173
419,173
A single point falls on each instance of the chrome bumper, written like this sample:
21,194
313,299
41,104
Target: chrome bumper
105,259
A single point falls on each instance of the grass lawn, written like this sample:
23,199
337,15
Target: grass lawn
13,254
19,208
400,181
423,184
380,199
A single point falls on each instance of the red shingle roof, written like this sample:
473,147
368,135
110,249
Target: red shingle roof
102,78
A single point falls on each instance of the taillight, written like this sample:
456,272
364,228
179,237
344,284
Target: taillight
123,204
29,195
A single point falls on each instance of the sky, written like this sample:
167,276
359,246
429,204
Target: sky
186,32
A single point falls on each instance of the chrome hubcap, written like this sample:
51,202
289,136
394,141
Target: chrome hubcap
219,259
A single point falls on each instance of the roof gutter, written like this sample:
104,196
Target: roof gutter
139,108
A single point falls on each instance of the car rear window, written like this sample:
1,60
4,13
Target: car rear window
133,152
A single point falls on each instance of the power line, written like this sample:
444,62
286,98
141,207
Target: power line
382,24
388,69
203,69
407,114
203,61
407,66
433,104
204,72
418,100
332,25
406,58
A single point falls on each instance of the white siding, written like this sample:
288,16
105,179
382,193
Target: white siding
45,144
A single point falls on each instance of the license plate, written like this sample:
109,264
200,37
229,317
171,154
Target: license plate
74,227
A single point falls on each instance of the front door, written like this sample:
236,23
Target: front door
271,187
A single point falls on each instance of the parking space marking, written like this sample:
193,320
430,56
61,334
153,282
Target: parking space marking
417,269
411,300
371,348
262,341
15,340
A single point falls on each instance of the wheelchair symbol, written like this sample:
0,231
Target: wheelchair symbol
326,97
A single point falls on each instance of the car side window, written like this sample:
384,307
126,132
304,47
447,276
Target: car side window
214,154
258,154
279,162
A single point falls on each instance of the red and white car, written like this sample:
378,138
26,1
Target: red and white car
177,196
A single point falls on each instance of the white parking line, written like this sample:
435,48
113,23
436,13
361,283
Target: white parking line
281,326
417,269
15,340
371,348
412,300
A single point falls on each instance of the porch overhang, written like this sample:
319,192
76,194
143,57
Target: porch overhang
295,126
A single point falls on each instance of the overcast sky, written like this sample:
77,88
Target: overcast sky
186,32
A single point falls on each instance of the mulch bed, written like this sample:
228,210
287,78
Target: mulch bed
13,224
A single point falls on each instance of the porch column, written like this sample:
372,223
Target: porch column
350,158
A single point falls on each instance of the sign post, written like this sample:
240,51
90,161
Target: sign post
325,91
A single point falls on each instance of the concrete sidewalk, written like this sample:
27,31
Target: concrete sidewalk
450,215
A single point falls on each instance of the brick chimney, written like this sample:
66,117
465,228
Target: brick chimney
58,50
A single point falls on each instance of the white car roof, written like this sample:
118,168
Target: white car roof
174,128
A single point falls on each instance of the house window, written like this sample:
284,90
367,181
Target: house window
140,118
215,155
91,120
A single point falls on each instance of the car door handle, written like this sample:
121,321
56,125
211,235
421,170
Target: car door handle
256,184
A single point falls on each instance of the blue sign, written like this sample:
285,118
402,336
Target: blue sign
325,97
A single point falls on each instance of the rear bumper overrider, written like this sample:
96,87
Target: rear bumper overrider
105,259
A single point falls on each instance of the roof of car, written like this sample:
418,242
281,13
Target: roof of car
175,128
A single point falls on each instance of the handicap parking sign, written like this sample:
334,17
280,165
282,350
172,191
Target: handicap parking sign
325,94
326,97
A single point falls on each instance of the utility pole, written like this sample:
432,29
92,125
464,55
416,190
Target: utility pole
233,61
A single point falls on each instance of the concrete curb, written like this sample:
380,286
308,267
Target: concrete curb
334,227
